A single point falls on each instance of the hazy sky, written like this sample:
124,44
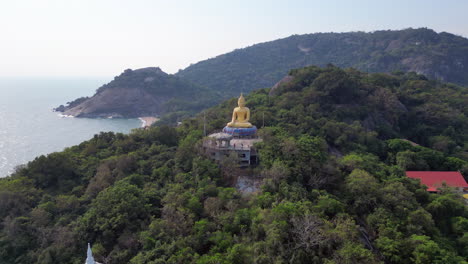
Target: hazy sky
103,37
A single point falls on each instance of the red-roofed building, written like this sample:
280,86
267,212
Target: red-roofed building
435,179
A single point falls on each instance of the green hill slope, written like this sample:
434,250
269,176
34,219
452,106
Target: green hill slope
334,189
440,56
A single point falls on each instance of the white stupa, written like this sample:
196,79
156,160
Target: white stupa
89,257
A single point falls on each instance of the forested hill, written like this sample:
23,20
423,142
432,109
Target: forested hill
150,91
334,191
440,56
142,92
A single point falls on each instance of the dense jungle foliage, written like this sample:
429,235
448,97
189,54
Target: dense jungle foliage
336,144
440,56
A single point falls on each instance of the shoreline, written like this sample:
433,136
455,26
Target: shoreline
147,121
65,116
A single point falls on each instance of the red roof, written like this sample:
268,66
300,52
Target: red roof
434,179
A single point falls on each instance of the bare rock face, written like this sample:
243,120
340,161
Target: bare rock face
119,102
286,79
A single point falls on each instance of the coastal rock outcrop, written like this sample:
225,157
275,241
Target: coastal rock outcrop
135,93
119,102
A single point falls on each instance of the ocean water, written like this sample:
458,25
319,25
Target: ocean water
29,128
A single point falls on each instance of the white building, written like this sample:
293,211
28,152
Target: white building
89,257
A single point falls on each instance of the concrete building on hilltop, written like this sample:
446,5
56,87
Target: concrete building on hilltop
237,138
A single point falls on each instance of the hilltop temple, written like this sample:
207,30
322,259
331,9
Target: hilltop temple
238,137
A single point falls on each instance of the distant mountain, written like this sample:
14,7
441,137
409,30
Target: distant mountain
150,91
142,92
441,56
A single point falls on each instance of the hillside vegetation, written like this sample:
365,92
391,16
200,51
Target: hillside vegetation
334,189
440,56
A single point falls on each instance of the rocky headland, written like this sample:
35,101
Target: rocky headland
137,93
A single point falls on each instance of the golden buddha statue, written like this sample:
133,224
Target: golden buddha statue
240,115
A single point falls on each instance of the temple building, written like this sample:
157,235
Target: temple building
237,138
436,179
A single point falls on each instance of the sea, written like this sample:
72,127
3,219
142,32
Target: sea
28,126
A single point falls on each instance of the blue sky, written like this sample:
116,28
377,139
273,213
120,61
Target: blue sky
69,38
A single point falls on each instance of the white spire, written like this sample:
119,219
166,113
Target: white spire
89,258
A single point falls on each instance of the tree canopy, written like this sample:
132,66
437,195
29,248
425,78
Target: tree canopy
336,144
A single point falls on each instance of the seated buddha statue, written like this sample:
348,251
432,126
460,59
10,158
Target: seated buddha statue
240,115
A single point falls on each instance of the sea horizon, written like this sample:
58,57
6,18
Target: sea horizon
29,127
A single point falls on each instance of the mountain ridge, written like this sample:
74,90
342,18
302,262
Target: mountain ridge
417,50
442,56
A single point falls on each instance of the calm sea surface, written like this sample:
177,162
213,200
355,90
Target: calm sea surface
29,128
